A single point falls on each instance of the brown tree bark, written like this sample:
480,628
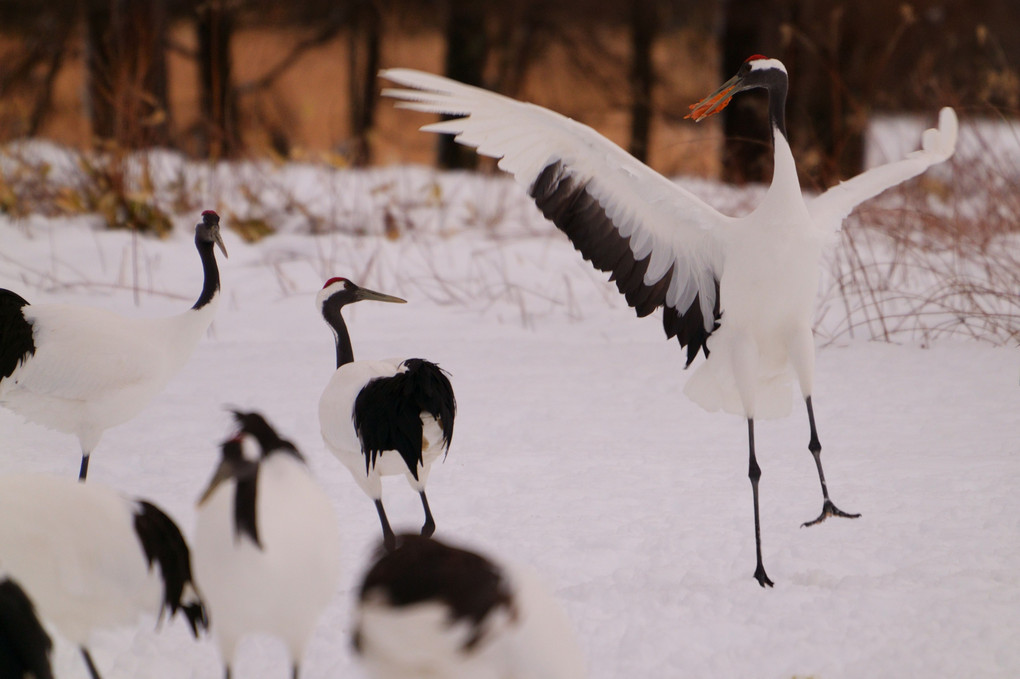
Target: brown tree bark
466,51
126,91
365,39
220,136
750,27
644,20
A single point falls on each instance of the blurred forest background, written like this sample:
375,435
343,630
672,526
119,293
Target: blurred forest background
223,79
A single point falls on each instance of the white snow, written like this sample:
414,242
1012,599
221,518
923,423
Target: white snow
574,451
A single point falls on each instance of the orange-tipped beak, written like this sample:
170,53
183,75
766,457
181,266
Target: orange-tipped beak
714,102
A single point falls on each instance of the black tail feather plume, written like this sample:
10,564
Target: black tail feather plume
24,644
163,543
387,412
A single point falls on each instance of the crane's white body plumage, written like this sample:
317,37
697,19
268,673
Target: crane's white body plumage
336,411
766,263
73,548
772,254
279,588
94,369
82,370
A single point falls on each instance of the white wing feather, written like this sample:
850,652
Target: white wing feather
662,219
937,145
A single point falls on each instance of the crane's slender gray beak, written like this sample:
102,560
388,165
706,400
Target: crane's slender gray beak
219,241
716,101
365,293
223,472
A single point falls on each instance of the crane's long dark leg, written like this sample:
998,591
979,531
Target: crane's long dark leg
430,524
389,540
84,469
815,446
295,671
754,473
93,672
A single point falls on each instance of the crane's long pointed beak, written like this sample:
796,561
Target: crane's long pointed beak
223,472
364,293
716,101
219,241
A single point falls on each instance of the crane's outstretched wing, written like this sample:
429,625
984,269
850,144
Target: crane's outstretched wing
832,207
661,243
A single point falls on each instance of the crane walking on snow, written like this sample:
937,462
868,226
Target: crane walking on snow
386,417
82,370
742,288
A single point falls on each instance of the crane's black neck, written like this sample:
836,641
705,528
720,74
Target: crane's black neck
211,284
777,87
344,350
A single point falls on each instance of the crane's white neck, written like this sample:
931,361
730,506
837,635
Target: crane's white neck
184,330
785,187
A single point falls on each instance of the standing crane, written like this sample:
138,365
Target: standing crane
382,418
742,289
82,370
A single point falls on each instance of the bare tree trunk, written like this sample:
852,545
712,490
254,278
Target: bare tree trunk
823,116
642,75
220,137
126,92
519,37
823,64
466,51
750,26
365,39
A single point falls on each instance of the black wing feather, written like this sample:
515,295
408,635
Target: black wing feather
565,201
162,542
24,644
387,412
16,341
689,327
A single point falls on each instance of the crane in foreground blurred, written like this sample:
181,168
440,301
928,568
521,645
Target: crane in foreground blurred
89,558
267,543
739,288
429,609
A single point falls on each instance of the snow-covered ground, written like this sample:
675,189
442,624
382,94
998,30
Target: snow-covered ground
575,450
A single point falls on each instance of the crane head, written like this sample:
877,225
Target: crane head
756,71
339,291
209,230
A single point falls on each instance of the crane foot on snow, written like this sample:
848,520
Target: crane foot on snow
829,509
